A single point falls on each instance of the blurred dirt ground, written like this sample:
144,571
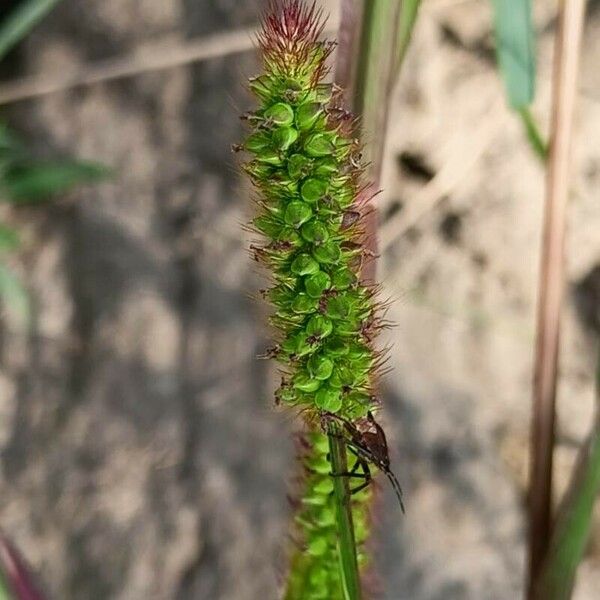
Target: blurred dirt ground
139,454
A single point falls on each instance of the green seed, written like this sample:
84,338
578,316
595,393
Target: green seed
338,307
257,142
317,546
320,366
285,137
328,399
316,284
307,115
343,278
315,232
267,225
328,253
298,166
286,394
318,145
319,326
289,236
313,190
280,114
270,157
324,92
327,167
304,304
297,213
306,384
261,86
324,486
337,347
304,264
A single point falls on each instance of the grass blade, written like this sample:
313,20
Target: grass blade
574,520
515,49
21,20
14,294
409,10
373,75
534,136
34,183
9,238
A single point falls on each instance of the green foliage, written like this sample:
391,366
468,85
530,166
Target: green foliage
13,293
515,49
36,182
21,20
409,11
314,571
307,174
22,181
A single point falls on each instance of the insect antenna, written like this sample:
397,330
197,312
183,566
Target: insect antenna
397,489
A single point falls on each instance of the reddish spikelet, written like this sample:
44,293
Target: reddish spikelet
289,38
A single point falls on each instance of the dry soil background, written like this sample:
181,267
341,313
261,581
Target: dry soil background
139,456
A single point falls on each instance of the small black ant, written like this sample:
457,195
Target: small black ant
366,440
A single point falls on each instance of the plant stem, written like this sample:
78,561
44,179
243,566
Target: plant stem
341,491
574,521
568,39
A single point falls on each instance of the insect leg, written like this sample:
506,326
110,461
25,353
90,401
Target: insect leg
366,474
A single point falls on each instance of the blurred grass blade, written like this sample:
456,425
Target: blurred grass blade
409,10
16,582
574,520
13,294
21,20
515,49
33,183
536,141
373,74
9,238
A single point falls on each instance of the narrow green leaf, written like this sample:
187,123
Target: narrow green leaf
9,238
534,136
21,20
409,10
374,73
14,294
4,593
515,49
574,522
33,183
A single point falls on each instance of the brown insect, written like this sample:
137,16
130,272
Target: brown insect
366,440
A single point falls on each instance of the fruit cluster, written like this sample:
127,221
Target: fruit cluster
305,166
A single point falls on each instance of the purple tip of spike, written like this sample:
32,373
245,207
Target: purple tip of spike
16,573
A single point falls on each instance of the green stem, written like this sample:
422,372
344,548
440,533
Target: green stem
574,521
341,491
